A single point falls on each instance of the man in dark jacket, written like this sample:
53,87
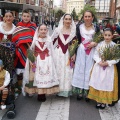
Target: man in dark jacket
52,24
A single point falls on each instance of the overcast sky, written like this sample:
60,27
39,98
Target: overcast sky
57,2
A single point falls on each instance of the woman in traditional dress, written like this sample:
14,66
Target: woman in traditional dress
63,36
104,77
40,75
84,60
7,53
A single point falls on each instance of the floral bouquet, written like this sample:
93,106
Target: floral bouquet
98,37
110,53
6,40
72,48
31,57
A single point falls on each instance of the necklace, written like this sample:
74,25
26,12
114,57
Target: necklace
88,26
66,31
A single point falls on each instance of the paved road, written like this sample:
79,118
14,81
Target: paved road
55,108
59,108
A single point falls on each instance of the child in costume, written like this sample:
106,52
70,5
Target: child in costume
22,37
40,75
104,78
4,81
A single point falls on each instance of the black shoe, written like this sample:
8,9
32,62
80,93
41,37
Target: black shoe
102,106
80,94
87,99
41,98
79,97
110,105
98,105
85,95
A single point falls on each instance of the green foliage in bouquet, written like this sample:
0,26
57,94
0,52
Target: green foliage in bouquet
72,48
116,38
98,37
30,55
110,53
6,40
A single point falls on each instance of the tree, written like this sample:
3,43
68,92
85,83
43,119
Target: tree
74,15
59,13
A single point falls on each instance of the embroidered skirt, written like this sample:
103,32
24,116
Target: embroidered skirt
30,89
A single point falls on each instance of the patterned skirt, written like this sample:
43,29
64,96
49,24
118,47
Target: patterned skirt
30,89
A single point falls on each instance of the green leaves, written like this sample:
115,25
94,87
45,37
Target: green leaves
74,15
98,37
72,48
59,13
30,55
110,52
6,40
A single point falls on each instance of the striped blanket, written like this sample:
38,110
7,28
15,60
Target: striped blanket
21,37
30,25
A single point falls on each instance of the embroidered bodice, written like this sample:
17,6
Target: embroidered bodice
86,37
43,53
60,44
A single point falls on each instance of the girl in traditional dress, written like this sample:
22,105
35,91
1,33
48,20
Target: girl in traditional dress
104,78
6,30
84,61
40,76
63,36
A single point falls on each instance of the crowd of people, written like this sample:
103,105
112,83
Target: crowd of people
43,63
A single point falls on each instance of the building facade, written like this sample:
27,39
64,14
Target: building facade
64,5
118,10
78,5
112,11
38,8
103,7
90,2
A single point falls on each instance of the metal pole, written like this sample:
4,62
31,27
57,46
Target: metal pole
99,9
104,4
106,7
